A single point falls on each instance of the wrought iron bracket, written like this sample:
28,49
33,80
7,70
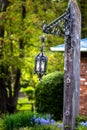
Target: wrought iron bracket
59,26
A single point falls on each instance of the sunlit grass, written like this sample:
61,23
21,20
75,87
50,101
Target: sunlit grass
24,107
24,104
23,100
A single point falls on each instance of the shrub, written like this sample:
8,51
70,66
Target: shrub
49,95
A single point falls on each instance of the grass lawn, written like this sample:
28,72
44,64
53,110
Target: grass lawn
25,104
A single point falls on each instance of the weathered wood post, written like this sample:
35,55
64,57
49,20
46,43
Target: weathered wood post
72,67
69,26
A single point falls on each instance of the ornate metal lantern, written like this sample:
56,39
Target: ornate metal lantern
40,63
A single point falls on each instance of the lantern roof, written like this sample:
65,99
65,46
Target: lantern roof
61,48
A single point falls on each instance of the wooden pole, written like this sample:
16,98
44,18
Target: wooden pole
72,67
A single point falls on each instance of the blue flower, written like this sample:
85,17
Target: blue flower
52,121
83,124
41,121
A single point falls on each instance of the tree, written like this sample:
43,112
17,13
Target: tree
3,69
10,75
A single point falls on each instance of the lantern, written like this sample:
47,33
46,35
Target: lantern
40,64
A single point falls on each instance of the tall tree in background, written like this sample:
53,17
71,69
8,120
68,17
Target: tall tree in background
9,74
3,68
17,71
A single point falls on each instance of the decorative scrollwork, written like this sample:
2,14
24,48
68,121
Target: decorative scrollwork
59,26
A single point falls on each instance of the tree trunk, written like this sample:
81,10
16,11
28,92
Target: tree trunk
13,100
3,92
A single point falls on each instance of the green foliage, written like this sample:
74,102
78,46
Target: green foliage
1,124
44,127
29,29
49,95
81,128
18,120
80,119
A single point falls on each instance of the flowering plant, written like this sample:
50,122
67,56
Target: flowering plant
41,121
83,124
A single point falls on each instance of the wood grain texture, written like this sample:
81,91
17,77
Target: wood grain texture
72,67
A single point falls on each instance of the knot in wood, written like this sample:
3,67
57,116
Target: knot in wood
67,113
68,80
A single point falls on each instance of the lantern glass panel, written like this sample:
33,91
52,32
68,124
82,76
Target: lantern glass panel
38,66
42,66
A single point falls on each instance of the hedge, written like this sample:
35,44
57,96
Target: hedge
49,95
